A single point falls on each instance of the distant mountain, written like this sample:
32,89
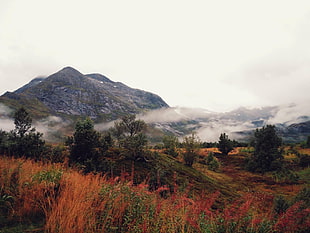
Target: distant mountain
69,93
56,101
295,132
238,124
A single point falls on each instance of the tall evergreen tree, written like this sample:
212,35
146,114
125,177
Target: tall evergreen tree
83,144
225,145
267,153
24,140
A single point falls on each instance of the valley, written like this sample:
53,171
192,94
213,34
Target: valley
121,160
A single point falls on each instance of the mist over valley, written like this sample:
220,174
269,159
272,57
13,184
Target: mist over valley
57,101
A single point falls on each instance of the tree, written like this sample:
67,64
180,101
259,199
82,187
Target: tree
225,145
24,140
191,146
22,121
267,153
129,133
83,145
170,145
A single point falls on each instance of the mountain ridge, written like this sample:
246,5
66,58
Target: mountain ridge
70,95
69,92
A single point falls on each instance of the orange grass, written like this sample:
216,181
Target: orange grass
93,203
304,151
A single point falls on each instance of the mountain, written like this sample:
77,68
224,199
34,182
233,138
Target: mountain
292,125
295,132
69,93
56,101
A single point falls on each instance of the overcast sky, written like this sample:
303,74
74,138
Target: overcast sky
216,55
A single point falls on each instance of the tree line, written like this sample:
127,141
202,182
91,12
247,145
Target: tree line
87,147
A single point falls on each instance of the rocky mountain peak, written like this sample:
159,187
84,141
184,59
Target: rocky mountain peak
69,71
70,93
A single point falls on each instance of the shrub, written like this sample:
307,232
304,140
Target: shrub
191,145
225,145
267,155
285,175
170,145
280,205
49,177
55,154
212,162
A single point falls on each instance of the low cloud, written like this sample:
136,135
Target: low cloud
4,110
164,115
52,127
176,114
290,114
6,123
104,126
208,125
210,132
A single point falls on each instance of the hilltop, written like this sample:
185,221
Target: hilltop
69,93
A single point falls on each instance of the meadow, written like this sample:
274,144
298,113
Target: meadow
52,197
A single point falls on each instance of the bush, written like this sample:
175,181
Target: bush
285,175
50,177
212,162
170,145
191,145
280,205
267,155
225,145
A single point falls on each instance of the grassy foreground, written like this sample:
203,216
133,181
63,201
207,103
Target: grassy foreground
38,197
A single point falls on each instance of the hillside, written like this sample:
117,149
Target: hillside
45,197
69,93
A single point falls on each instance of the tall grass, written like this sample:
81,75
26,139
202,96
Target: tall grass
32,197
68,201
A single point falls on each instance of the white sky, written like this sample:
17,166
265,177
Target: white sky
217,55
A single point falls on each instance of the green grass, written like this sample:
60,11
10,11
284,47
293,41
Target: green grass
304,175
161,169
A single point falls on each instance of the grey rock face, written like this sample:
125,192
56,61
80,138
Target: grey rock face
71,93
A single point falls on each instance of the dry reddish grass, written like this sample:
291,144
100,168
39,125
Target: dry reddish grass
92,203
